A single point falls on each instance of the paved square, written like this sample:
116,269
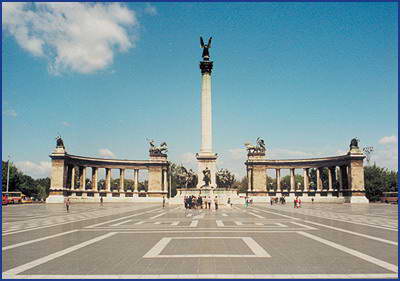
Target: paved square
146,241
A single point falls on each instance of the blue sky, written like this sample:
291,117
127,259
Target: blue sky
306,77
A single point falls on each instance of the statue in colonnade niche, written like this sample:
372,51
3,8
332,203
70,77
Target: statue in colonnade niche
207,176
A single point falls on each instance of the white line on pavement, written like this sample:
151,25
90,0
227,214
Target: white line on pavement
156,250
194,223
120,223
257,216
122,218
55,255
303,225
197,276
37,240
219,223
354,233
156,216
277,214
256,248
352,252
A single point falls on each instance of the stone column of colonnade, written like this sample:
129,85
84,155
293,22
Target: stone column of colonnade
108,181
292,180
319,181
306,178
136,180
278,180
249,179
121,181
94,180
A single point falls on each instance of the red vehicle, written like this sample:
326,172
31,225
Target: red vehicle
4,200
14,197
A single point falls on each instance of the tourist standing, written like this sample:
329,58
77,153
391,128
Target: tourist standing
101,200
163,202
209,202
216,202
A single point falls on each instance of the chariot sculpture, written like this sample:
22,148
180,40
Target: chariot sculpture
158,150
258,148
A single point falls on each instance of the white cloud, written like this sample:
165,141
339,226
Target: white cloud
80,37
386,157
150,10
66,124
104,152
35,170
388,140
280,153
238,153
10,112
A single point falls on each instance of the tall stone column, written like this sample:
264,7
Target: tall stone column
121,180
306,179
73,177
278,180
249,179
108,179
82,178
94,178
330,179
319,181
165,180
136,180
206,158
292,180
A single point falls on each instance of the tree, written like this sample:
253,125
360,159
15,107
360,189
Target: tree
323,175
378,180
225,179
243,185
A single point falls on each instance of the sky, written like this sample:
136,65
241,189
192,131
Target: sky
305,77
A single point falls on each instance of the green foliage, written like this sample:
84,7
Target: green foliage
378,180
18,181
225,179
243,184
324,178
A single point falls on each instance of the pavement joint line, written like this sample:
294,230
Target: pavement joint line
277,214
258,251
37,240
257,216
122,222
378,262
347,221
156,216
207,276
118,219
196,231
55,255
303,225
354,233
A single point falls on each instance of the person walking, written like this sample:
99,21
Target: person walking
101,200
216,202
163,202
67,203
209,202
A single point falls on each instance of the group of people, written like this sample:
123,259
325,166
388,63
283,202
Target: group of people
199,202
275,200
248,201
297,202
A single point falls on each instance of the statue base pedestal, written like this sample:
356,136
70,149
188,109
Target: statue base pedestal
206,160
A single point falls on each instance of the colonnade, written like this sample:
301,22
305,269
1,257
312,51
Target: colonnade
70,172
337,180
345,176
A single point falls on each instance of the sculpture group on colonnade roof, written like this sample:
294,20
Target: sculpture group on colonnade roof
59,142
158,150
354,143
258,148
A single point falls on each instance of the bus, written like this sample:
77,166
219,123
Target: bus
14,197
390,197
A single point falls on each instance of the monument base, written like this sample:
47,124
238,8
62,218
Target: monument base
206,160
356,199
55,199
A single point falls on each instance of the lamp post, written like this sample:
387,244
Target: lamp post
8,172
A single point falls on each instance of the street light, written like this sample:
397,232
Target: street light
8,172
